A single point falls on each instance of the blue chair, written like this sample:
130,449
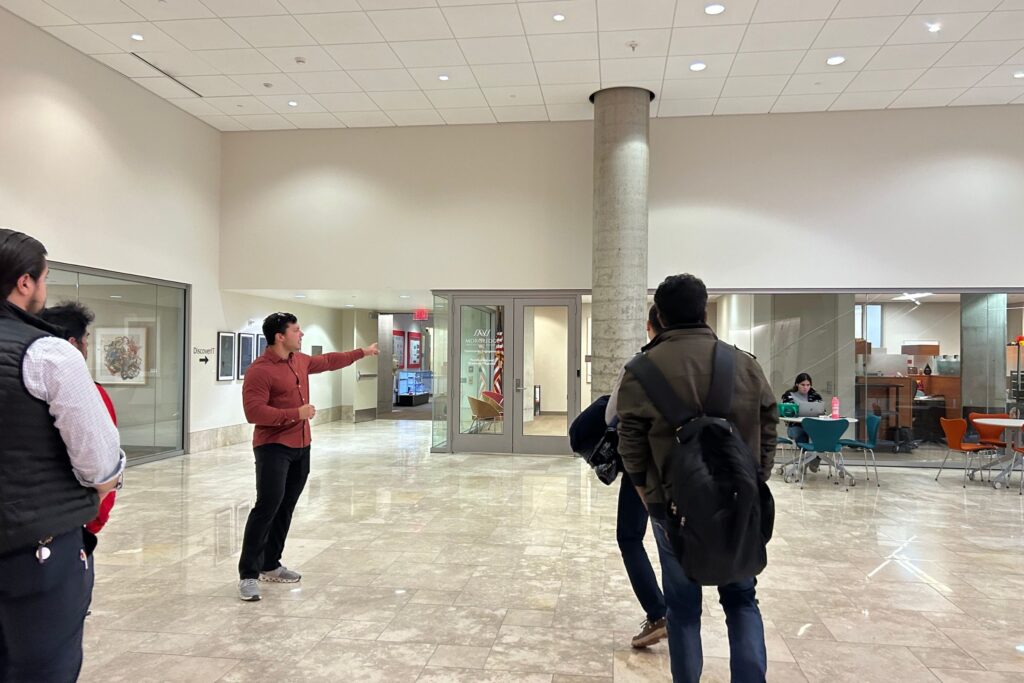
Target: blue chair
824,438
867,446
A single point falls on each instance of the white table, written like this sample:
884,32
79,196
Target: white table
1009,455
792,468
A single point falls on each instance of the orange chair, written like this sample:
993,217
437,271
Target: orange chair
954,431
987,434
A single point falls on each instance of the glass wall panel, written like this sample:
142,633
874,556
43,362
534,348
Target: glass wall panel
545,368
481,373
439,366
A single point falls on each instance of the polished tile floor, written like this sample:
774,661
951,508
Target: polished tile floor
421,567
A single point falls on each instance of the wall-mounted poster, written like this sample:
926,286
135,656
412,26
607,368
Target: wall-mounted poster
225,356
261,344
246,353
398,348
120,355
415,355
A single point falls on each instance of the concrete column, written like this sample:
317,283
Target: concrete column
983,339
621,170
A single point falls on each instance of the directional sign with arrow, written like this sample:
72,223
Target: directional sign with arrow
204,360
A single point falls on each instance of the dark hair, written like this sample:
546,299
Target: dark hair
19,254
275,323
681,300
70,316
652,320
802,377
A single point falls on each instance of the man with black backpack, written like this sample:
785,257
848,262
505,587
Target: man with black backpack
697,437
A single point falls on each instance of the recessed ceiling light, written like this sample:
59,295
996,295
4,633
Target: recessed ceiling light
137,36
1019,74
835,60
443,77
350,305
115,296
559,17
934,26
300,296
714,9
404,296
292,103
698,66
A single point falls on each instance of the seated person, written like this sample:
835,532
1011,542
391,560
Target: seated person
809,404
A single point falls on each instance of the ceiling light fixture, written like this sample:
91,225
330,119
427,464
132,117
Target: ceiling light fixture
698,66
934,26
442,77
914,297
292,103
714,9
115,296
137,36
300,296
1019,74
835,60
559,17
350,305
404,296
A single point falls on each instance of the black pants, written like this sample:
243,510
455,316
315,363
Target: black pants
42,612
281,474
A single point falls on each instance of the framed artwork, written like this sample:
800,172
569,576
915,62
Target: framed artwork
415,357
152,326
225,356
120,355
398,348
261,344
246,353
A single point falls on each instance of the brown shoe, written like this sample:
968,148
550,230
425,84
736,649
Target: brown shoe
650,633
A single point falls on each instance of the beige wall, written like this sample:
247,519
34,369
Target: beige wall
550,334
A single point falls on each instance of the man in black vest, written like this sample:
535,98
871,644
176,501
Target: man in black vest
59,452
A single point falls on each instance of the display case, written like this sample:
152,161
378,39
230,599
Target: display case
414,387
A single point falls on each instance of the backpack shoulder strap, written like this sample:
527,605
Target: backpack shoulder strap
723,381
657,388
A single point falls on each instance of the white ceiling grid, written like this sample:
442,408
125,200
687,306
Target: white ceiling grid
281,64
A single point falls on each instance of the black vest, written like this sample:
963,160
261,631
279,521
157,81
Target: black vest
39,495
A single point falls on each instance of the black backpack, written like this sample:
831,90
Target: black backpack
596,442
720,513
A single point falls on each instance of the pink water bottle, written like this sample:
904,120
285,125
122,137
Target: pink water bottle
835,407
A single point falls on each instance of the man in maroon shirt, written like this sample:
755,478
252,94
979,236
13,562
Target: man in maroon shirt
275,396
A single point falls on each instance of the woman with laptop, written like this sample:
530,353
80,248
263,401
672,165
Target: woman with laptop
809,404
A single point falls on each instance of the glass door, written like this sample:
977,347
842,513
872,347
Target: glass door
478,399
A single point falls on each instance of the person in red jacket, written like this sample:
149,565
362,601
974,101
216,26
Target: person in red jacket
74,319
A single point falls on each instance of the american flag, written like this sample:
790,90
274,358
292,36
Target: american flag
499,355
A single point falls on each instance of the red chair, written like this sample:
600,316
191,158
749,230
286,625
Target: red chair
494,396
954,431
989,435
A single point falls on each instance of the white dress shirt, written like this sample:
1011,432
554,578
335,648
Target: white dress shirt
54,371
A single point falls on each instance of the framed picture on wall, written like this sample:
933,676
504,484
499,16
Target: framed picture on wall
120,355
398,348
152,327
415,355
246,353
261,344
225,356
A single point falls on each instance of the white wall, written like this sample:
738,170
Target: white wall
550,336
904,321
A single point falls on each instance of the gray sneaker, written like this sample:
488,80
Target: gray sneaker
249,590
281,575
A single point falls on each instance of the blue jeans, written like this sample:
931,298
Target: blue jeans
797,434
630,529
748,658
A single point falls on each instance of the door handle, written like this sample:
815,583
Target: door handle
519,385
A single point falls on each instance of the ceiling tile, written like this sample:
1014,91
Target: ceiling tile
411,24
865,100
856,58
82,39
195,106
245,8
520,114
305,104
954,27
754,86
940,6
620,15
1011,5
796,35
465,97
224,123
504,50
692,88
818,84
620,71
766,63
376,80
891,79
856,32
571,112
279,84
314,58
364,56
701,107
792,10
907,56
690,13
180,63
203,34
396,4
638,43
265,122
951,77
574,93
1003,76
467,116
424,53
999,26
563,47
121,35
580,16
803,103
516,95
986,96
237,106
343,27
926,98
347,102
497,75
312,121
129,65
321,6
480,21
326,82
161,10
709,39
744,105
401,99
271,31
164,87
991,53
37,13
214,86
717,66
458,77
364,119
873,8
96,11
551,73
248,61
416,117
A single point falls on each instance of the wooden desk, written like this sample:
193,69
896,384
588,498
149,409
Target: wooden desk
946,386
